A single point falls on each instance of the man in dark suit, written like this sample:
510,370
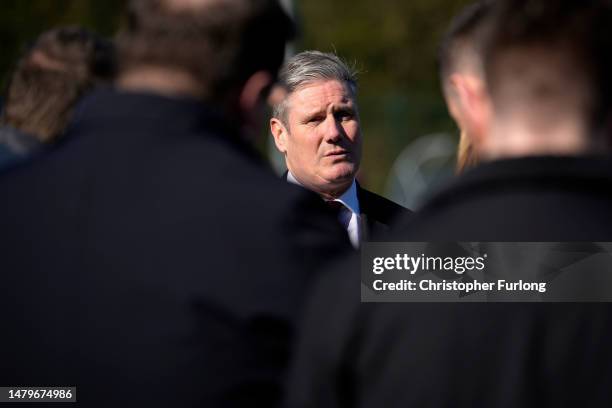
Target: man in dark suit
151,259
547,177
316,127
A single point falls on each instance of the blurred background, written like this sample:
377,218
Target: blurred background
409,139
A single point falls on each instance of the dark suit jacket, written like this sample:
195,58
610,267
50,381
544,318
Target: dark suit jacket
471,355
16,146
378,214
145,262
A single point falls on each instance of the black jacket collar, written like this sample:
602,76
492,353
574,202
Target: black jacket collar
157,114
538,172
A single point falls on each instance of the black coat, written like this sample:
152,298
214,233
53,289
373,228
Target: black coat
471,355
379,215
16,146
152,260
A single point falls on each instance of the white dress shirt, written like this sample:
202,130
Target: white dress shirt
350,215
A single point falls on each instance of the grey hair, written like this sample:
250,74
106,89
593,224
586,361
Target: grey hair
310,66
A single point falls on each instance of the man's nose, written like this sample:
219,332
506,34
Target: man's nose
333,129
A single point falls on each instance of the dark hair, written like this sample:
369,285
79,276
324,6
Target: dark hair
50,78
467,26
578,30
221,43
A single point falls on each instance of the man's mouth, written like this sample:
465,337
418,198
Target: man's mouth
337,153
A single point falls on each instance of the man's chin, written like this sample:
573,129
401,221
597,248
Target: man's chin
341,175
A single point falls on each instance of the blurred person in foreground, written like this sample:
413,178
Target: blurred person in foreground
462,76
316,127
60,67
152,259
547,177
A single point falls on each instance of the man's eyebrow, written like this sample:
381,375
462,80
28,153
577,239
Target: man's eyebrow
343,107
347,104
315,112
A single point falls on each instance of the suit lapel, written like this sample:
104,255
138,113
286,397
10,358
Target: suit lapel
369,224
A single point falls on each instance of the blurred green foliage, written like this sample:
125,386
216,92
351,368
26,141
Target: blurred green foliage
393,43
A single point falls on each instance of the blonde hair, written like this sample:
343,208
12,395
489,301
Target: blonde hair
466,156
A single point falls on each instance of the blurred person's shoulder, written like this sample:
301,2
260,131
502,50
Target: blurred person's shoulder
530,198
176,151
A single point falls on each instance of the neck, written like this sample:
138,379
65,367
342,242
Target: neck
329,193
333,194
165,81
562,136
334,191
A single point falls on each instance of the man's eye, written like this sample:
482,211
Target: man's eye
314,121
345,115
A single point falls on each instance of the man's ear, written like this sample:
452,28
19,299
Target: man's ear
471,105
252,103
451,96
252,93
279,132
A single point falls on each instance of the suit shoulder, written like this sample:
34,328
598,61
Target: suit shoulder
383,208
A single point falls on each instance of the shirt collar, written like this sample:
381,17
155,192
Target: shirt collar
349,198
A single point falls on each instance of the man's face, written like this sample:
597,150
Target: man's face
322,139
